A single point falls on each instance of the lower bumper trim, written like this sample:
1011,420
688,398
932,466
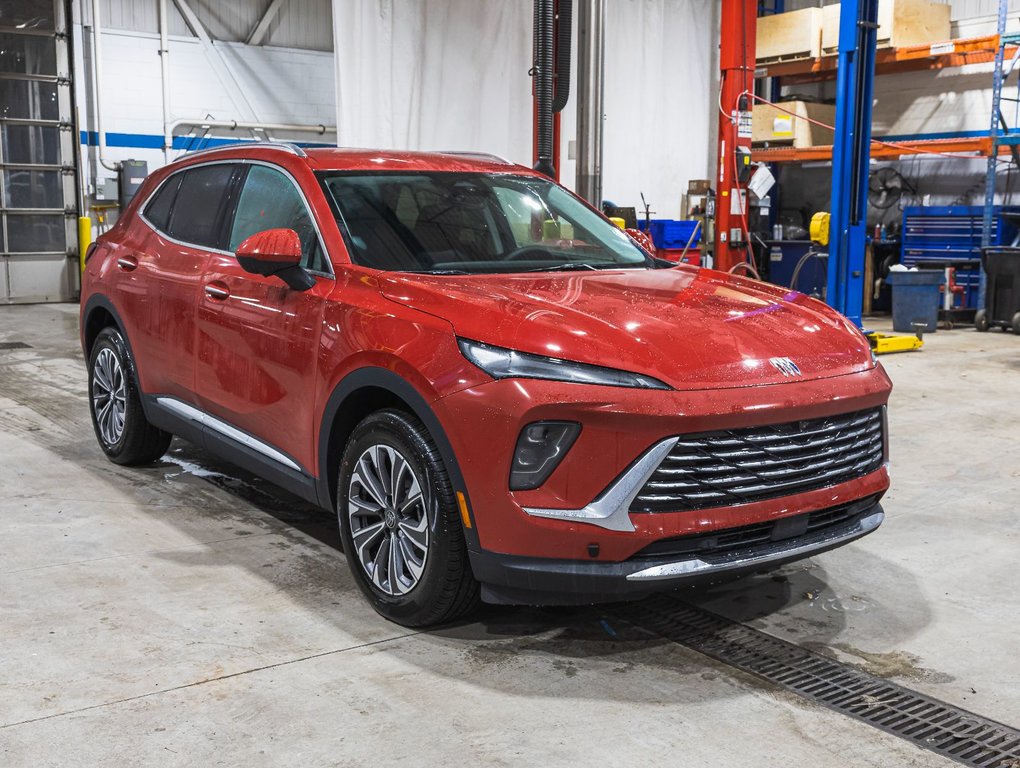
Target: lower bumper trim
756,559
540,581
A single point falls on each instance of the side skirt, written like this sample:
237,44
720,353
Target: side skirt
228,442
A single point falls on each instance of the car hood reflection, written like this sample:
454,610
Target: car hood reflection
693,329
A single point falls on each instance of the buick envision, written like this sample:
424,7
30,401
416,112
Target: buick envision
499,393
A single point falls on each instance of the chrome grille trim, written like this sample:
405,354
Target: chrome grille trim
743,465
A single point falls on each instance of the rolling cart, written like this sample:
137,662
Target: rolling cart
1002,290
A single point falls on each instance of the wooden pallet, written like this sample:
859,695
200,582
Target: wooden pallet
786,59
791,36
901,24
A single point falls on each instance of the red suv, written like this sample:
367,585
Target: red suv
499,393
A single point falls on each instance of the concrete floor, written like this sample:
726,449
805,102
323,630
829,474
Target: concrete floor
189,614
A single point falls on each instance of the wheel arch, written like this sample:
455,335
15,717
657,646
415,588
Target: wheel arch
360,393
99,313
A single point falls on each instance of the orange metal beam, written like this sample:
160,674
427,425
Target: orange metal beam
979,147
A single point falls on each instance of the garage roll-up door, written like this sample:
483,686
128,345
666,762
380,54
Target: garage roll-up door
38,200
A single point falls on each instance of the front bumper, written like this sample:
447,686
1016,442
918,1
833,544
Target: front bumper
520,580
619,426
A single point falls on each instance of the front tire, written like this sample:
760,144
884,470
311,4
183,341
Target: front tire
123,432
400,525
1016,323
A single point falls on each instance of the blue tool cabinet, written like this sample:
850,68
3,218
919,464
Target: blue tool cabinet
938,236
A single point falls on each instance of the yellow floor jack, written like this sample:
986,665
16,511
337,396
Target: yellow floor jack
887,343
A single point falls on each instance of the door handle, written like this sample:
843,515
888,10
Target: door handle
217,291
127,263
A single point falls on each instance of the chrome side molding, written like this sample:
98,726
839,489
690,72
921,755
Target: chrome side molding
203,418
611,509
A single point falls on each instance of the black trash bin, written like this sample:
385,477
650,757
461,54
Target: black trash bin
1002,289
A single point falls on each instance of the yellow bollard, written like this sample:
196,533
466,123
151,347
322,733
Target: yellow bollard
84,239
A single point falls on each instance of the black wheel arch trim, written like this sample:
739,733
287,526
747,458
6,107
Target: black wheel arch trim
393,383
99,301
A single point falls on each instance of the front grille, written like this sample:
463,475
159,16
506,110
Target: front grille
782,529
736,466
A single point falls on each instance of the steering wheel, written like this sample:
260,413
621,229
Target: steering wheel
520,254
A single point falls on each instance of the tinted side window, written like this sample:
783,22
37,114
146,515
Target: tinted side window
158,209
200,200
270,200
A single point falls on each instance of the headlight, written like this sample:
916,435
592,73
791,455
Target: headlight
502,363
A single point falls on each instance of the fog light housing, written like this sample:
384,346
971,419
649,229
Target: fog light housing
541,447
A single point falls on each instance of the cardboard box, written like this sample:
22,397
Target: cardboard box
771,125
698,186
789,36
901,24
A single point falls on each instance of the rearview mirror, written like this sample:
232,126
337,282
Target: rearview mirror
275,253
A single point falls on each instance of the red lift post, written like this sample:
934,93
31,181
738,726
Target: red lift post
736,70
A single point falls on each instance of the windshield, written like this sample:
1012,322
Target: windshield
465,223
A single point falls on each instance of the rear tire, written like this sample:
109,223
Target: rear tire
981,320
1016,323
123,432
400,524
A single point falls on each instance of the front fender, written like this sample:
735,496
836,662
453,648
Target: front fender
391,382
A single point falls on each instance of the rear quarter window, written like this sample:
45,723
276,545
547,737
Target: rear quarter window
162,203
198,208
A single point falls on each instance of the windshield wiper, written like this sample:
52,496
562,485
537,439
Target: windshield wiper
438,271
569,266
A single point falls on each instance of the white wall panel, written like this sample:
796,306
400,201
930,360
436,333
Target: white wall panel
283,85
302,24
298,23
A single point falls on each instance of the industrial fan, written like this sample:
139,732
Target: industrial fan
886,186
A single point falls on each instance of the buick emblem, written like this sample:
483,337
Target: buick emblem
785,366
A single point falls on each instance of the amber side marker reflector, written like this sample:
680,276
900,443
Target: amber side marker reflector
462,504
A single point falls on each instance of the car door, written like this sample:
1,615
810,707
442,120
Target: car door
258,340
159,269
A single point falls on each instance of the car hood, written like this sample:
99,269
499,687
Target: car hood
690,328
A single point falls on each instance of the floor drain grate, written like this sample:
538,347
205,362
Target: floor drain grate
14,345
955,733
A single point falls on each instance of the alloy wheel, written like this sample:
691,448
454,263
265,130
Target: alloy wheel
109,396
389,525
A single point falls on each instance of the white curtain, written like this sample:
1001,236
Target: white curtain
435,74
661,95
453,74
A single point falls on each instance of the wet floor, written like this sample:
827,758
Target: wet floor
189,613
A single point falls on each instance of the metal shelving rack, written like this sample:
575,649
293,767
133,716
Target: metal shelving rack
1002,136
934,57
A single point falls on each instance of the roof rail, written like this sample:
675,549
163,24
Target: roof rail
477,155
287,146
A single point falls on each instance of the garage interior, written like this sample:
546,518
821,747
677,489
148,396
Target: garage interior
191,613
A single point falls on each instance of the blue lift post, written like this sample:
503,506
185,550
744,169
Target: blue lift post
851,154
997,140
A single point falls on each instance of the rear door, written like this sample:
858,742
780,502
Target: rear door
258,340
159,273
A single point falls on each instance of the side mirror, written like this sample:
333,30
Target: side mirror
275,253
642,238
